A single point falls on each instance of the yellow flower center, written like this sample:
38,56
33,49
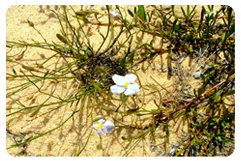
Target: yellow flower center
126,84
100,126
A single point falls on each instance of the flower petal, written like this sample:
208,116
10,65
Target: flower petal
119,80
117,89
129,92
98,116
105,130
131,78
101,121
99,131
132,89
134,86
94,126
115,14
108,126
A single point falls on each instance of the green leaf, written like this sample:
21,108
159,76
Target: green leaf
196,138
125,138
122,62
132,57
230,17
228,33
205,131
97,119
129,11
46,73
96,86
203,77
199,28
31,24
108,109
125,21
14,72
142,12
232,30
217,97
195,93
174,24
180,152
193,141
61,38
153,87
141,114
96,17
202,15
10,60
195,113
232,53
200,91
181,143
210,8
190,49
36,111
143,55
179,114
155,103
231,92
223,124
184,13
86,19
192,13
212,123
81,13
188,9
140,134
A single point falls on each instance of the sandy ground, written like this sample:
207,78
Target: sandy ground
67,140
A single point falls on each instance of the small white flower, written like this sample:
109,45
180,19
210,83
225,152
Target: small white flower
103,126
115,14
210,14
125,83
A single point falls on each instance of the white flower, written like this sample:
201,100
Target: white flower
210,14
103,126
125,83
115,14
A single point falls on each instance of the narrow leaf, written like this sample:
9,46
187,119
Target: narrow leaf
193,141
231,92
203,77
195,93
142,12
205,131
196,138
184,13
36,111
61,38
232,29
200,91
230,15
179,114
129,11
86,19
174,24
217,97
96,86
122,62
